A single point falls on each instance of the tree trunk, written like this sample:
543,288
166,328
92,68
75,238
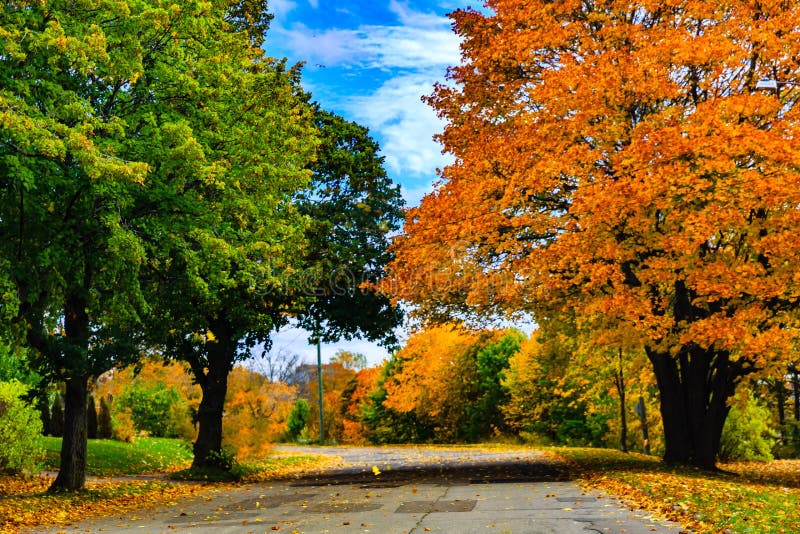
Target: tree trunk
778,386
72,473
796,392
694,389
619,381
214,385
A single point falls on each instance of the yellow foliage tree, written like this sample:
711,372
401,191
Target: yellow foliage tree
256,412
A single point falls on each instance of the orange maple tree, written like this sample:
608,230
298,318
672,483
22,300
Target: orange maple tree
624,160
433,378
354,397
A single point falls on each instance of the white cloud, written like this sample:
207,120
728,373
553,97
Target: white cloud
383,47
314,3
406,124
281,7
418,41
417,50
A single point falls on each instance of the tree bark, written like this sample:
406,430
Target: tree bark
694,387
619,381
796,391
214,385
72,472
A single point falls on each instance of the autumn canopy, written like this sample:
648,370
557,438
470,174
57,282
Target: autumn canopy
635,163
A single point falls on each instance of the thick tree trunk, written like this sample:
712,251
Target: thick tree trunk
214,384
694,389
72,473
209,418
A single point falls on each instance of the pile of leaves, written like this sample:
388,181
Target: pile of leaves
741,497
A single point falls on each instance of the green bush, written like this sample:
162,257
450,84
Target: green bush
156,409
298,418
746,435
20,430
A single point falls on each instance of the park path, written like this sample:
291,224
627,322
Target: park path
403,490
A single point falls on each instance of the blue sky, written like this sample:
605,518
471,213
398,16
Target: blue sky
371,62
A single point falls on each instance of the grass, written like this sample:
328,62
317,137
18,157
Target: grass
748,497
106,457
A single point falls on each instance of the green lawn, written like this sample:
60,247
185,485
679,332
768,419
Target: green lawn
109,458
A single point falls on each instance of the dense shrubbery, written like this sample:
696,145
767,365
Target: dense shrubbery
156,409
20,430
747,435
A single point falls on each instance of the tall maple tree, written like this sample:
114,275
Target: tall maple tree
624,160
71,260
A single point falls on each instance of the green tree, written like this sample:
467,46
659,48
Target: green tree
104,425
91,418
78,103
747,435
73,262
298,418
385,425
354,361
353,207
484,413
226,246
549,396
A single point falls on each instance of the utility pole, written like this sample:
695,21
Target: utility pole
319,389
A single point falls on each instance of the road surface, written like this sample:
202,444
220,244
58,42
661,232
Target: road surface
403,490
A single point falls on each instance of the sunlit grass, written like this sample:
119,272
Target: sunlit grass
107,457
742,498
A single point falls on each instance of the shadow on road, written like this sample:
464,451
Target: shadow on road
462,473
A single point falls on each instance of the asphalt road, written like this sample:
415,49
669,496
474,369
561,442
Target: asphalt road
400,490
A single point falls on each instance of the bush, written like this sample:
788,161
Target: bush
746,435
298,418
20,430
123,428
156,409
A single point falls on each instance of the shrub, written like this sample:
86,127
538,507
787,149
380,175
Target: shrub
123,428
156,409
746,435
20,430
298,418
